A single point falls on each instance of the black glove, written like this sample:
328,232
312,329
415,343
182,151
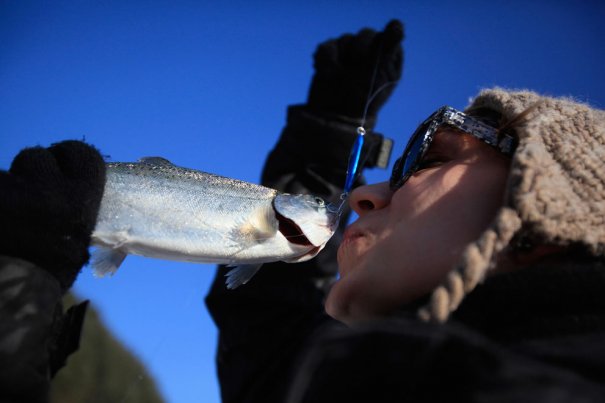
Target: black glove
345,67
49,201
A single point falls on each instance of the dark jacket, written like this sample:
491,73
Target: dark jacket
536,334
35,335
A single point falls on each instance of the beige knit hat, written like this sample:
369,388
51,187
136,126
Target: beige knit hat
555,193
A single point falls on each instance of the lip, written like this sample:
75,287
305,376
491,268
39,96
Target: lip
349,249
350,235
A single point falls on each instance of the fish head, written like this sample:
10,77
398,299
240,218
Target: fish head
305,219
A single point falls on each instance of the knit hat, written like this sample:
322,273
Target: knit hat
555,191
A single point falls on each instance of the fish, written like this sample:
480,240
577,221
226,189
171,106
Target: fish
156,209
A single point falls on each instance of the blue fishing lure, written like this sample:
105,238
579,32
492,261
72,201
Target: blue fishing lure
353,166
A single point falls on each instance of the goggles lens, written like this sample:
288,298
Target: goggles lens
404,166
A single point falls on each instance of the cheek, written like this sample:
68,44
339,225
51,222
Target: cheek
474,198
455,203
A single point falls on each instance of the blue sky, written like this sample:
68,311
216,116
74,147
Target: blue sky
206,84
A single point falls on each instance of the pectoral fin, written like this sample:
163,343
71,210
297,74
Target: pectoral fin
241,275
255,228
105,261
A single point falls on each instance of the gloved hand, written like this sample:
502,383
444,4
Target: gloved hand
344,68
49,201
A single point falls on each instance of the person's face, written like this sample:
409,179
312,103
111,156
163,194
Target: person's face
404,243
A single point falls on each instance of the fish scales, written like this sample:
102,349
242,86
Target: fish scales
156,209
141,200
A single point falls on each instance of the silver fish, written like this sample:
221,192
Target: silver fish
156,209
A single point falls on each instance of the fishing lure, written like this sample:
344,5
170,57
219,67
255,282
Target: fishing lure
352,172
354,157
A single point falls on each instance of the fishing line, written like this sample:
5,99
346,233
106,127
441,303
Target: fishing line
353,166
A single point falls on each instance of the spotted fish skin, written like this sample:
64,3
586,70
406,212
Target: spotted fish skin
156,209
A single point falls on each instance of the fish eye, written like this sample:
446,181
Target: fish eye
320,201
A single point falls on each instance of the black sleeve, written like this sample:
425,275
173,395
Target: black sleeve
35,336
263,324
412,361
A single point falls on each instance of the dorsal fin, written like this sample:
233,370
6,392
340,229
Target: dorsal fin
155,161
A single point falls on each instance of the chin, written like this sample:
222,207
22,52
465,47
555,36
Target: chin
345,305
336,302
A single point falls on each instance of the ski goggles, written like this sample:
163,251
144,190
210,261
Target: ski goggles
421,140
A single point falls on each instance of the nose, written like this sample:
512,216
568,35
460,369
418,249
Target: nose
370,197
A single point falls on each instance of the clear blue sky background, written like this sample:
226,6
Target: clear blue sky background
205,84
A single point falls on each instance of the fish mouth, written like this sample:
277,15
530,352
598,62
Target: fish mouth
291,231
304,219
